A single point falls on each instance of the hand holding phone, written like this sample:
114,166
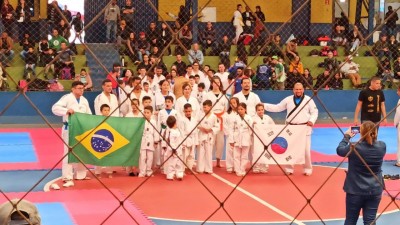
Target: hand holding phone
355,129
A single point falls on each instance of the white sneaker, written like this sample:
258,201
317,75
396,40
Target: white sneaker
55,186
69,183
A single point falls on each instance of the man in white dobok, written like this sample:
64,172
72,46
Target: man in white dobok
301,110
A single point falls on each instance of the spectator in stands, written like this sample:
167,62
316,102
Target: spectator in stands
396,69
296,64
77,24
25,43
56,40
276,46
308,79
30,61
381,47
224,49
336,83
8,17
321,79
385,72
195,55
263,75
143,46
114,76
165,38
291,49
65,60
237,79
85,78
67,13
123,33
338,36
350,70
354,40
130,48
293,77
53,17
127,74
239,63
180,65
111,16
43,49
24,14
47,58
64,29
394,47
343,23
145,63
127,14
152,34
280,74
260,19
6,49
237,22
248,20
391,18
207,38
330,63
185,37
155,52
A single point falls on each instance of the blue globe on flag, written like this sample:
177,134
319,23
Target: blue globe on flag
102,140
279,145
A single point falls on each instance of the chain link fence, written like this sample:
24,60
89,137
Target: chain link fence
148,37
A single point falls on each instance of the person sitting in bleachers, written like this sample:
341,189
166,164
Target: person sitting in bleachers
30,63
338,36
123,33
276,46
350,70
153,35
381,47
321,79
155,51
385,72
293,77
130,48
264,73
56,40
291,49
145,63
6,52
64,29
25,43
208,38
185,37
43,50
394,47
224,50
296,64
143,46
65,66
337,82
47,62
165,37
330,62
396,69
308,79
85,78
195,55
354,40
180,65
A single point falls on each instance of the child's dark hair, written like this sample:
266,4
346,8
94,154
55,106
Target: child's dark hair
201,85
135,100
259,105
230,109
104,106
149,107
169,98
187,105
171,121
242,104
146,98
145,83
207,102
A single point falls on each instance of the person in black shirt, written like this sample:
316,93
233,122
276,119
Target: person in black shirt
30,62
336,83
371,102
391,18
180,65
127,14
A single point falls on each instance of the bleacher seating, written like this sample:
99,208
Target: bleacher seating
368,65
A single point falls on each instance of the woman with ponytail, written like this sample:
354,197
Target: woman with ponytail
364,182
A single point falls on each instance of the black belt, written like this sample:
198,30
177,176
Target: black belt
297,123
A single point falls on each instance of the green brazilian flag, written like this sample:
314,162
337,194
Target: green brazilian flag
114,142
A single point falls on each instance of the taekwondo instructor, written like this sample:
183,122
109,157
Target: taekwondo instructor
301,110
67,105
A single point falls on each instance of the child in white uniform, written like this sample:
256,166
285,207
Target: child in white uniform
174,167
229,118
208,127
260,119
241,139
148,145
187,127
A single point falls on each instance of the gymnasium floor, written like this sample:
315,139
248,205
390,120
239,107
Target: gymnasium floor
28,154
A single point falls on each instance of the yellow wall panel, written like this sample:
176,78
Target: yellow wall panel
322,11
274,10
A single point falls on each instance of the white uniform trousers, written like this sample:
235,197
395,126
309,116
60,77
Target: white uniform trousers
308,165
204,157
240,159
173,166
188,157
219,144
145,162
229,157
68,169
157,158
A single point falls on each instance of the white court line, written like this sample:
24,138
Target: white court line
259,200
48,184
